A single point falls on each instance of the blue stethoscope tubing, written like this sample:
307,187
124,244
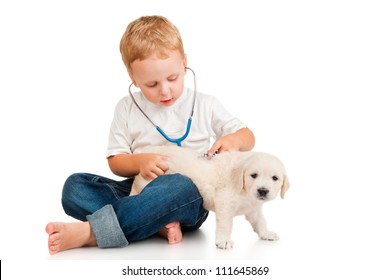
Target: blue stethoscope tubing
189,122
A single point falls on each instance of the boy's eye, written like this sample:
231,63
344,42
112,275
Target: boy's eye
151,85
173,78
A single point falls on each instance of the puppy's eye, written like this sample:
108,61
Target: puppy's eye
254,175
275,178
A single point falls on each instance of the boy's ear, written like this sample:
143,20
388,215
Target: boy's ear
185,62
132,79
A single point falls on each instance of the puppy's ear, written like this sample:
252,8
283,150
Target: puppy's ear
238,178
239,170
285,186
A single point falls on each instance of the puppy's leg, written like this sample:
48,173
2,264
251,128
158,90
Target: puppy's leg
224,225
223,232
257,220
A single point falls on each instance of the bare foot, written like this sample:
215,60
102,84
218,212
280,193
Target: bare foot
172,232
64,236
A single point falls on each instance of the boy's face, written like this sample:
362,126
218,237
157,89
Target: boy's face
160,80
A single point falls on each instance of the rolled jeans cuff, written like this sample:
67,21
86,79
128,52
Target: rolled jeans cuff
106,228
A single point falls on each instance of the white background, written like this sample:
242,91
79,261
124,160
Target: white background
310,78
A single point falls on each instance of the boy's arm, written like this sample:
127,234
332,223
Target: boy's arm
149,166
242,140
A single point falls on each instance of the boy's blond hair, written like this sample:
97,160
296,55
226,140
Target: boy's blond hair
148,35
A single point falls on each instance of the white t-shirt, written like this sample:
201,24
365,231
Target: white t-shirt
131,131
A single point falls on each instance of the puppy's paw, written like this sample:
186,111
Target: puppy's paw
224,243
269,235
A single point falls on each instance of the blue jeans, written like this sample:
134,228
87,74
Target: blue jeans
117,218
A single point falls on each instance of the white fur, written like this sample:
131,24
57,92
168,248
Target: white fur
232,183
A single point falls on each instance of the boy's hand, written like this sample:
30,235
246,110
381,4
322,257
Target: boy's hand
241,140
225,143
152,166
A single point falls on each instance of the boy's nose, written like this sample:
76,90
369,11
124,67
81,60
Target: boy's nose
164,90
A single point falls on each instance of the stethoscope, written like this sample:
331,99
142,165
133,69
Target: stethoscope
189,122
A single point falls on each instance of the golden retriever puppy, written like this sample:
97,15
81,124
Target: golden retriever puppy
232,183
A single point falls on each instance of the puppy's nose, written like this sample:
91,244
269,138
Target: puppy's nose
262,192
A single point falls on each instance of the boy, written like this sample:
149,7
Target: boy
153,53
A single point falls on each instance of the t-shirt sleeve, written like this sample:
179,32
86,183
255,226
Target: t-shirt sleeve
222,121
119,140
